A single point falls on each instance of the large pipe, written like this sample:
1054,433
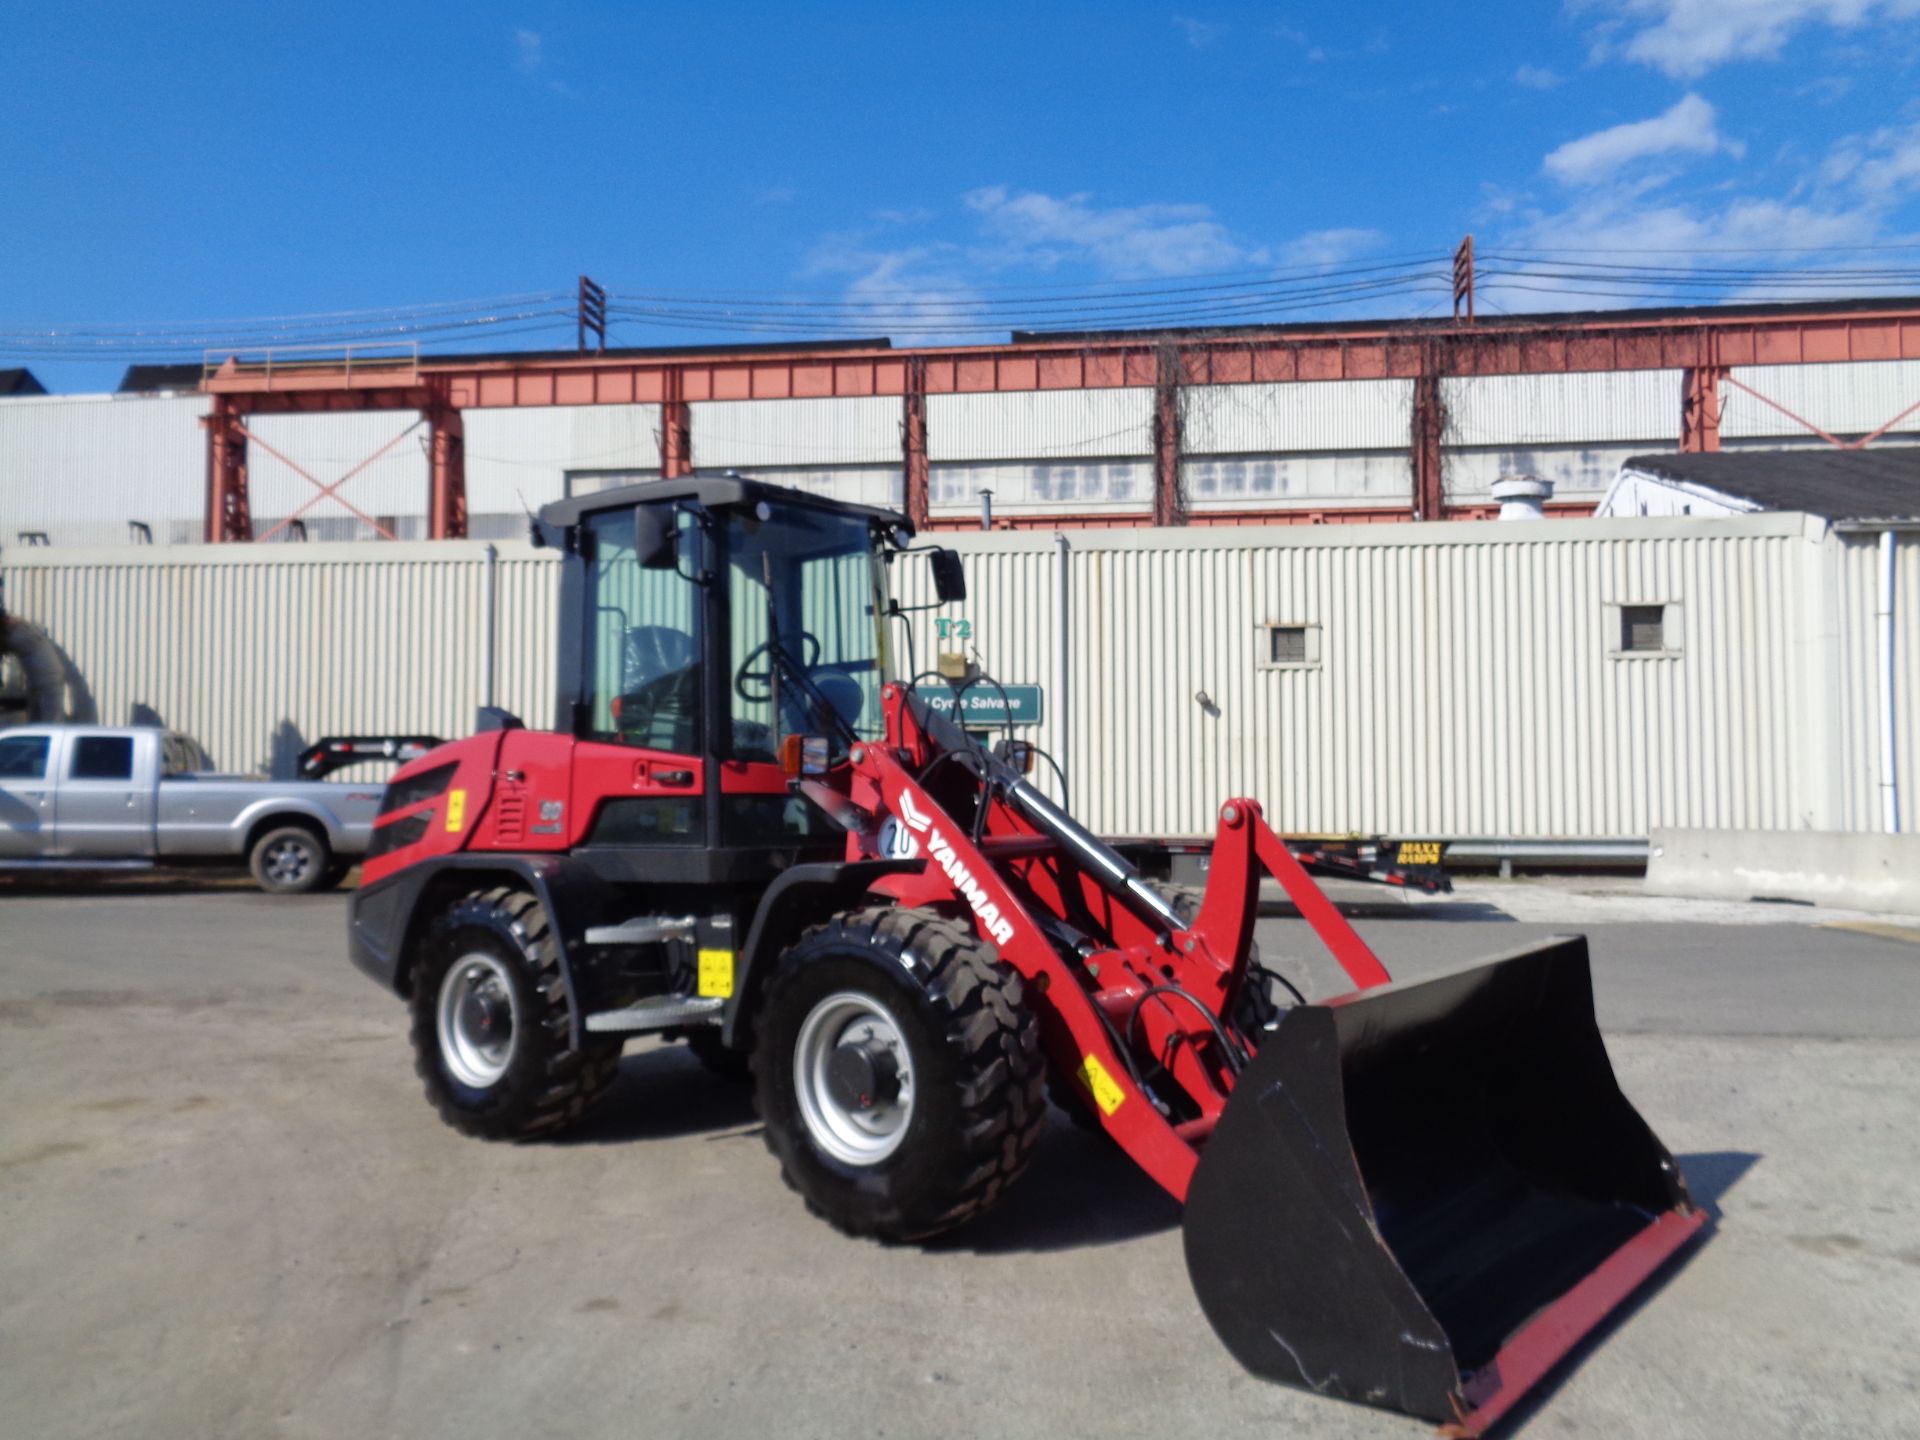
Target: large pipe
1060,654
1889,699
489,625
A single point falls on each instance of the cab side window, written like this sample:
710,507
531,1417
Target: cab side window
24,757
101,757
642,647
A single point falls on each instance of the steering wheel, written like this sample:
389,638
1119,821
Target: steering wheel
763,679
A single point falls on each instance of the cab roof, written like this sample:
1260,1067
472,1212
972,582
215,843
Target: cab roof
714,492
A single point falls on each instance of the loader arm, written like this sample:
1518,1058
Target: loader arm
1420,1196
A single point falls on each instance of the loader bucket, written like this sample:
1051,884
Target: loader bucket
1422,1196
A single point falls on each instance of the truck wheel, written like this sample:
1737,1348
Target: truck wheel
491,1037
898,1073
290,860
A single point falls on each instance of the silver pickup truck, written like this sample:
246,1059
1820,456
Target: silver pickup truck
100,797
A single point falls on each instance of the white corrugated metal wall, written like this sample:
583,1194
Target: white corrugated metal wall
1842,399
392,489
258,651
1297,445
1041,450
78,468
1856,697
1466,681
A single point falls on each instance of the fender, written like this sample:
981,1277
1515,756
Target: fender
382,918
789,903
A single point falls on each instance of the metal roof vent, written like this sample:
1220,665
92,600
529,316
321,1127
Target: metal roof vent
1522,497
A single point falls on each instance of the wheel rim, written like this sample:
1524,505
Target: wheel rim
289,861
475,1020
852,1132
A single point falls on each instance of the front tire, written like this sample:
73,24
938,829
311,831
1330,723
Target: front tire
290,860
898,1072
492,1038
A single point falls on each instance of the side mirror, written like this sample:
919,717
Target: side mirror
949,576
655,530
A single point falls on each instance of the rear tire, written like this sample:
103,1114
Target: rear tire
290,860
492,1039
950,1050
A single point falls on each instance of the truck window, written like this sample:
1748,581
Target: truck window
101,757
23,757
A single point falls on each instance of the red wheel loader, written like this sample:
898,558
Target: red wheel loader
750,832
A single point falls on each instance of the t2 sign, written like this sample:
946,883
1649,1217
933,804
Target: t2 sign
952,629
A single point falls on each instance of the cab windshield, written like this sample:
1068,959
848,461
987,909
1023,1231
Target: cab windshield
808,629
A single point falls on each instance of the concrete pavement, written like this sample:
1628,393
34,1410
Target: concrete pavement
227,1211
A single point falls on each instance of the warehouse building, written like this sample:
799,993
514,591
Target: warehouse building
1307,424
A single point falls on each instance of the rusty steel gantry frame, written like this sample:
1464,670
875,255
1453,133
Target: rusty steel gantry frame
1703,343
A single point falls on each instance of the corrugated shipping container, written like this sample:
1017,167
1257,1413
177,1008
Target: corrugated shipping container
1467,682
1852,765
1462,679
259,650
1842,399
80,467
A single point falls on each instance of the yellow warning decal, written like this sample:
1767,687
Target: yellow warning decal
456,809
716,973
1107,1095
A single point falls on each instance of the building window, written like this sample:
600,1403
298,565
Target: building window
1644,632
1643,627
1289,647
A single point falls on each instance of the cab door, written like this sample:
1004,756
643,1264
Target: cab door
105,803
26,795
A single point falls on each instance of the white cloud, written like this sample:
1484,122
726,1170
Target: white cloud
1689,37
1143,240
1199,33
1329,247
1849,199
529,52
1687,128
530,59
1535,77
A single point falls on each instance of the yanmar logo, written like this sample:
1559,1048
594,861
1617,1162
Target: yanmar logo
941,850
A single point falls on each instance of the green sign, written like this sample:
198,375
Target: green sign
984,704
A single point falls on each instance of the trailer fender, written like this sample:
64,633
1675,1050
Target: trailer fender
802,896
387,917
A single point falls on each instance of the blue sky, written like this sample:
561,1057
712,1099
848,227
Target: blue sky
167,165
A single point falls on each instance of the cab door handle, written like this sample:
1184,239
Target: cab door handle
673,777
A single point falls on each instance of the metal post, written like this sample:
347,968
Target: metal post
1889,698
676,428
913,445
986,509
229,516
1063,631
1700,409
1167,437
1429,425
490,625
448,512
